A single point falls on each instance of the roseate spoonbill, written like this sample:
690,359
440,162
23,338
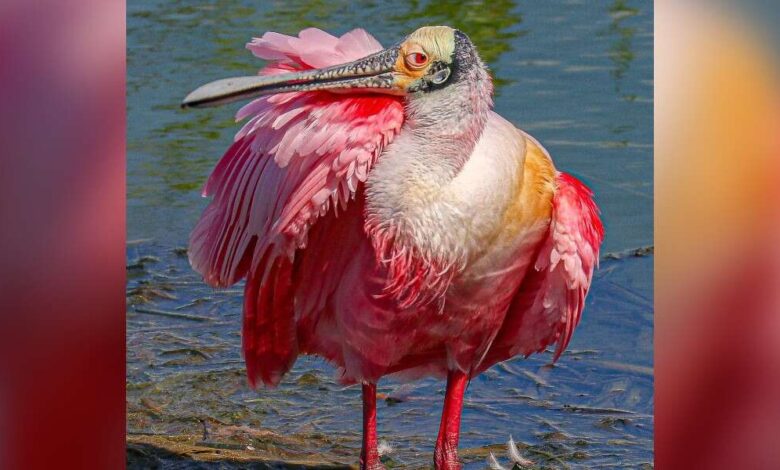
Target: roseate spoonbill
386,219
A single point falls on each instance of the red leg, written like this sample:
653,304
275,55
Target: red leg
445,456
369,456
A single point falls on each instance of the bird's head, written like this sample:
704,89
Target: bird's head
429,59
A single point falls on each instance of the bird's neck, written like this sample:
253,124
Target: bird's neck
406,189
445,125
440,131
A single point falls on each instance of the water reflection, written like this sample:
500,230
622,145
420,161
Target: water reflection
291,17
620,52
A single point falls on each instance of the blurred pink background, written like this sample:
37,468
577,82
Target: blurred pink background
717,174
62,131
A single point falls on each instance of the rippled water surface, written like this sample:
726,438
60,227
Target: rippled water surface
575,74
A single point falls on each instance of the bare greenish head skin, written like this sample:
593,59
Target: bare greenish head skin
438,41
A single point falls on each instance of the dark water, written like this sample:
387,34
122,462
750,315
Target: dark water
576,74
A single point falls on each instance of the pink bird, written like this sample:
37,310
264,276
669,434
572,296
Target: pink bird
387,220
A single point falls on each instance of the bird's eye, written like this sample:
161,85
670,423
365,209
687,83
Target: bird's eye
416,60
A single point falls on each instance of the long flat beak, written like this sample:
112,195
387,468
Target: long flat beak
372,73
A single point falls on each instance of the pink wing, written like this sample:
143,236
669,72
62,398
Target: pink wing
298,155
549,302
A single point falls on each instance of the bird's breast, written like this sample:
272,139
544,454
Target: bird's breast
497,268
472,215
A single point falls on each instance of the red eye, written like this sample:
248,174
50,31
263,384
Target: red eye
416,59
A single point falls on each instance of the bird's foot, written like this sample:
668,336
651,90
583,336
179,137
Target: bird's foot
446,458
373,461
375,465
516,459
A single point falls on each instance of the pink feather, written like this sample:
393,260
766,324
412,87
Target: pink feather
548,305
288,165
293,150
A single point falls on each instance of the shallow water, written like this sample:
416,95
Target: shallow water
576,74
